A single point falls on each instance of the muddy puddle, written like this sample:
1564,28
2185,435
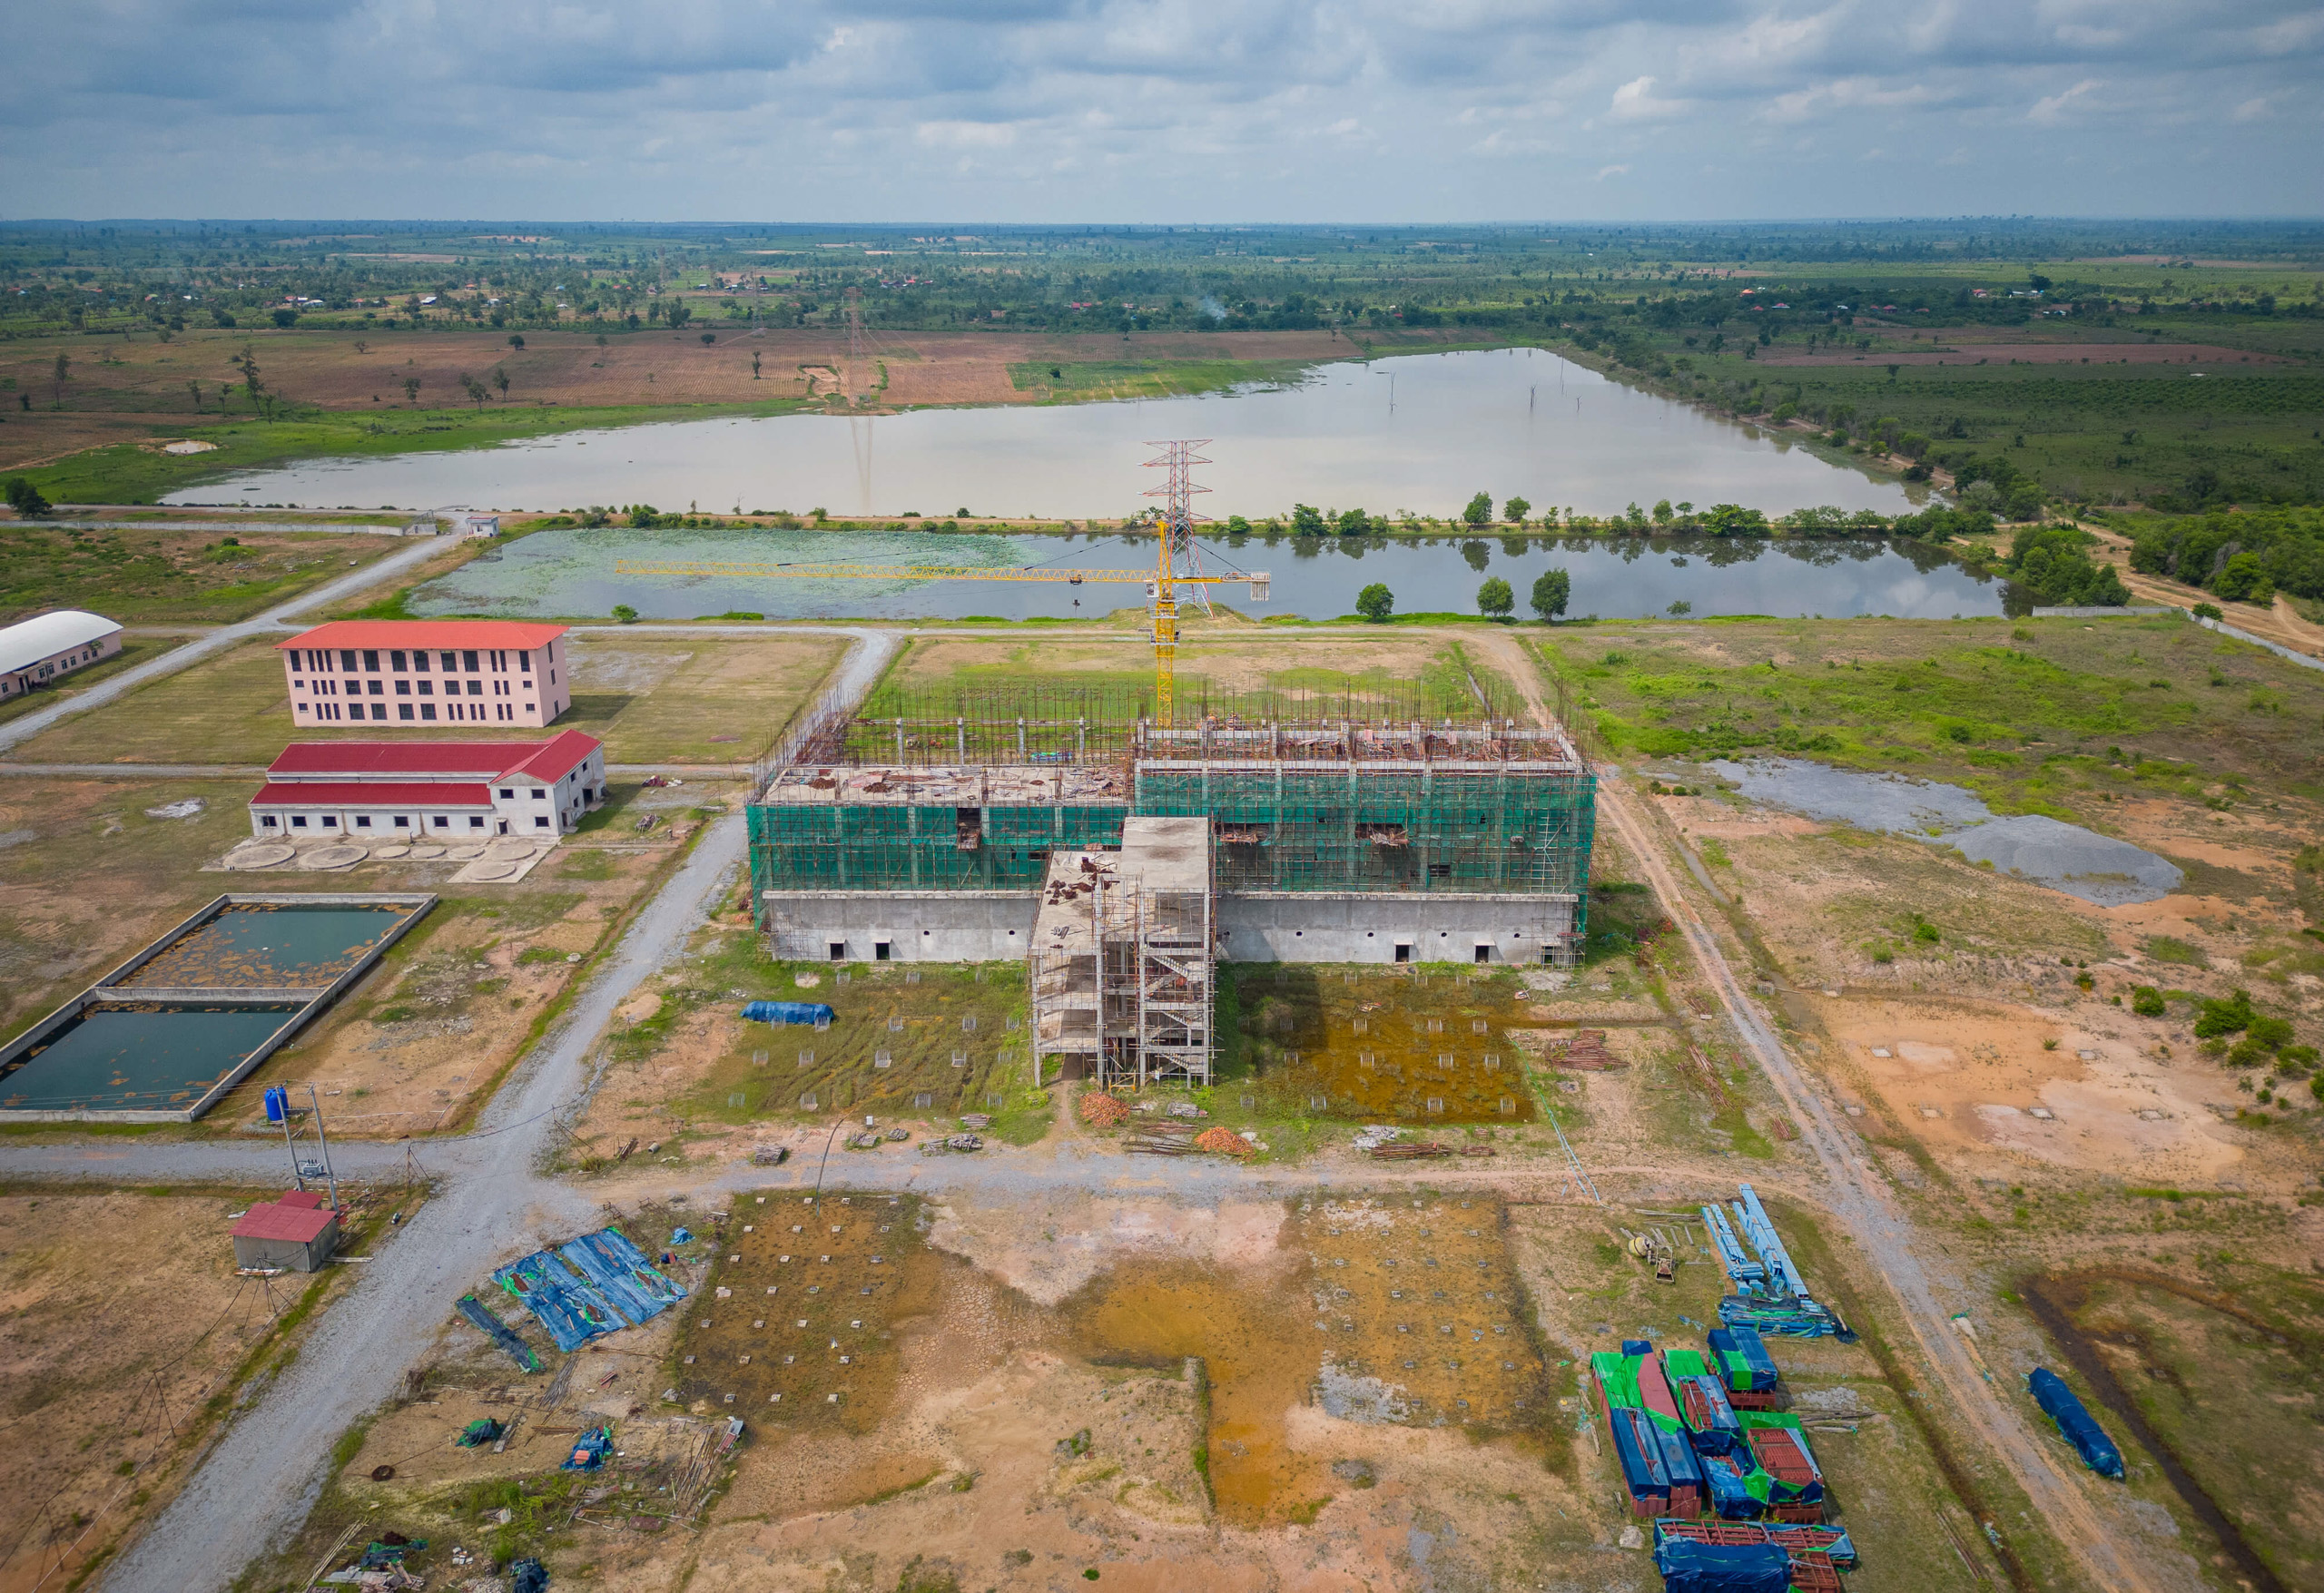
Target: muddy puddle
1381,1045
1383,1310
2079,862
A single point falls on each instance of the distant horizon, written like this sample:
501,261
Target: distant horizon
1050,112
1613,223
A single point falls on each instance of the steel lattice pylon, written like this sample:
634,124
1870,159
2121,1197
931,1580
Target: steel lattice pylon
1177,559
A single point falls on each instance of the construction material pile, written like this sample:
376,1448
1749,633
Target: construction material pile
1770,1296
809,1012
1585,1052
1685,1450
2080,1429
1410,1150
1102,1111
1225,1141
1720,1557
1372,1136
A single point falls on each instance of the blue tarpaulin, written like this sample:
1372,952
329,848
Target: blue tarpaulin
589,1450
622,1274
1722,1568
2081,1429
598,1283
1742,1358
501,1333
788,1012
1730,1497
1639,1452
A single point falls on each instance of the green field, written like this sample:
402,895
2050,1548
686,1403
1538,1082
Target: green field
649,700
157,576
2049,716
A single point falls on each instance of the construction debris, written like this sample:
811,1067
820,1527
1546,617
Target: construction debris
1099,1110
1770,1296
1225,1141
1585,1052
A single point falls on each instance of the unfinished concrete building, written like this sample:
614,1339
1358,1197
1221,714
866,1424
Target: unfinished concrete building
923,834
1122,956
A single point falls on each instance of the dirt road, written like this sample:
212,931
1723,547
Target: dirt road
1859,1197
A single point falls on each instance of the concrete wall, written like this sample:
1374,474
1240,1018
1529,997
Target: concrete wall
916,926
1307,926
989,926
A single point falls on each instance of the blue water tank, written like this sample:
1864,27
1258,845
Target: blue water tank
278,1103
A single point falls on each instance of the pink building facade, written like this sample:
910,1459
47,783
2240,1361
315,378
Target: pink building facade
427,671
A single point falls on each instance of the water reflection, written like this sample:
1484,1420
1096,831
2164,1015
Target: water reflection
570,574
1492,421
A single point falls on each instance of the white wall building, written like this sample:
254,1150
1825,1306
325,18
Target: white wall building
444,791
35,651
427,672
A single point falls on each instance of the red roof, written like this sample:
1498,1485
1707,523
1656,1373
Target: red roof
332,793
282,1221
515,635
547,760
305,1199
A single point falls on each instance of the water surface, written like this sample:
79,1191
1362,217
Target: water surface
570,574
1419,432
126,1059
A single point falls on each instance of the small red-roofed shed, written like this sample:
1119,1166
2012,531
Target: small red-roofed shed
297,1232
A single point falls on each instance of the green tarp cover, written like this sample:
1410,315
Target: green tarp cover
1617,1375
1684,1363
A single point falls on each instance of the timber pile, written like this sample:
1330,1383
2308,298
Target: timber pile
1410,1151
1586,1051
1162,1139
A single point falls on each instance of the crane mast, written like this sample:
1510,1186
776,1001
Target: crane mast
1177,560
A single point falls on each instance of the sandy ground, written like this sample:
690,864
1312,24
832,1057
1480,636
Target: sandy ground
409,1051
2279,622
105,1366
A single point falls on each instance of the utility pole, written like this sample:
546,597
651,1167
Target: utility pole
323,1141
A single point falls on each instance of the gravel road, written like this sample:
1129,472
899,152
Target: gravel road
492,1204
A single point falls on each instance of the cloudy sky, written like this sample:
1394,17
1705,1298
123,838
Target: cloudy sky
1160,110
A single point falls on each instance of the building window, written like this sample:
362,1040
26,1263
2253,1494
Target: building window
378,710
403,711
329,822
379,688
362,820
525,663
419,662
508,795
476,688
403,688
372,660
427,711
347,659
443,822
528,707
475,822
302,707
402,821
428,688
541,820
473,665
539,795
299,821
268,821
355,688
395,660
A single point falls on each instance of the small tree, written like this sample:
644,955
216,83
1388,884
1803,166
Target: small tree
1516,509
1479,510
1375,603
625,614
411,389
1552,588
754,365
1495,599
1680,609
516,341
500,380
475,389
25,498
63,367
196,388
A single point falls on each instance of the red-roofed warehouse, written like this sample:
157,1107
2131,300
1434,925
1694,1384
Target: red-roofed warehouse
445,790
427,672
297,1232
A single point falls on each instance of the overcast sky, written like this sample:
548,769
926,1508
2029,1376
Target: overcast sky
1160,110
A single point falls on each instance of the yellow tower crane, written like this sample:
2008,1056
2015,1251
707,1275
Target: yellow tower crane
1178,563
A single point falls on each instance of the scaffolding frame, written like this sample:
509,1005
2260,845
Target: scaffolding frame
1126,985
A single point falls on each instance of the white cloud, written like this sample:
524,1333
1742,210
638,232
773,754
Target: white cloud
1606,171
1635,102
980,135
2254,109
2051,109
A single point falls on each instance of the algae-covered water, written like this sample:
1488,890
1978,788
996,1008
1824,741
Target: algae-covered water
254,947
142,1059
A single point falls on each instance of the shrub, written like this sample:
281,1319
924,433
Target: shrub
2217,1017
2271,1032
25,498
2147,1002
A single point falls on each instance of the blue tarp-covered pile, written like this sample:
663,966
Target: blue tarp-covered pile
2081,1429
788,1012
597,1284
477,1312
1722,1568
